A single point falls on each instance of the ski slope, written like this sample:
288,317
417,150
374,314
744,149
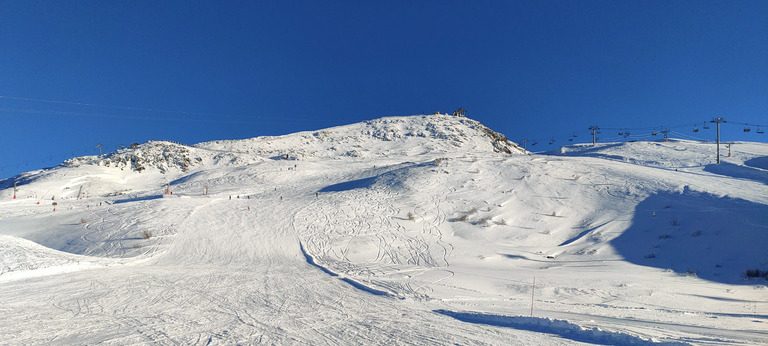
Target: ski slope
410,230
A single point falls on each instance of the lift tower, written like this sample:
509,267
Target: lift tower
718,121
594,129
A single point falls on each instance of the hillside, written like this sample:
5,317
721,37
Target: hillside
423,229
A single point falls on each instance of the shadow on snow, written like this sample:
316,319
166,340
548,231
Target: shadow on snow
351,185
138,199
748,171
561,328
390,178
758,162
311,261
698,234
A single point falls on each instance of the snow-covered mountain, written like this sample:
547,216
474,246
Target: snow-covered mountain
422,229
425,135
401,136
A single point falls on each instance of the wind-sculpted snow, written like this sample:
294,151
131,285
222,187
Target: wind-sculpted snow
405,230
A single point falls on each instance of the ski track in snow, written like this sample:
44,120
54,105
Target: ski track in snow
428,244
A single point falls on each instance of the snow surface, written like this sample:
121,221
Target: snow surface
416,230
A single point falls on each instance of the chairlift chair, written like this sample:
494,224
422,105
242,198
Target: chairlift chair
695,129
747,129
706,126
759,130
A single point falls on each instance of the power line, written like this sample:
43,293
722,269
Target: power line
110,106
185,116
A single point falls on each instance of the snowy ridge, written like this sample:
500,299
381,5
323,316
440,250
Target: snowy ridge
414,135
418,230
164,157
401,136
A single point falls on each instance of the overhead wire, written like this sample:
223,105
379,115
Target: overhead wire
647,132
186,116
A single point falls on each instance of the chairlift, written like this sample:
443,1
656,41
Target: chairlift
654,132
759,130
534,143
621,133
747,129
695,128
552,141
570,139
706,126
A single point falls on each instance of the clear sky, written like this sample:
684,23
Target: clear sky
74,74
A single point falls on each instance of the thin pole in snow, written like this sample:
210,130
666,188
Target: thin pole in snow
533,289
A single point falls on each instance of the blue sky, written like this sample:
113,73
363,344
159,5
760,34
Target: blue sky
77,73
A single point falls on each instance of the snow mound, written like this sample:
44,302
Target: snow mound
21,258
